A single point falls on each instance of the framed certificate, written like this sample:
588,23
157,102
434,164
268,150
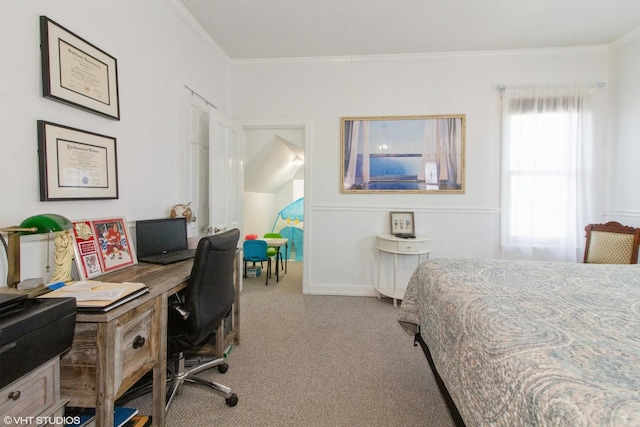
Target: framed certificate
76,72
76,164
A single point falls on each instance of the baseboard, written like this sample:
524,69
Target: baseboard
342,290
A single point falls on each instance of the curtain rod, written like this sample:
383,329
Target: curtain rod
502,88
194,93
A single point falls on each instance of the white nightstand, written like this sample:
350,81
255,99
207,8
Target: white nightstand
386,243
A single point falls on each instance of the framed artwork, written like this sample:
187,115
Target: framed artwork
101,246
76,72
402,224
75,164
402,154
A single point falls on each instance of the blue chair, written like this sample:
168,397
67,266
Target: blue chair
256,251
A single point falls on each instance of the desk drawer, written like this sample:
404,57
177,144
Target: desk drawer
135,333
36,392
112,344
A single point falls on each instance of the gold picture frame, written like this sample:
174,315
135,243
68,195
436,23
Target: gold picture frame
403,154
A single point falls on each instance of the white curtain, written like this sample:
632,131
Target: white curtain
358,143
552,170
350,175
366,173
442,144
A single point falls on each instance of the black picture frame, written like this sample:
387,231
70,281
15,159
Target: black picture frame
402,224
76,72
76,164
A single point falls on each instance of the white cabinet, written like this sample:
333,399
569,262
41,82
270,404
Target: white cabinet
396,246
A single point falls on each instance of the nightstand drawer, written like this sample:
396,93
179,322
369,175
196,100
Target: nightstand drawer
417,245
411,246
33,393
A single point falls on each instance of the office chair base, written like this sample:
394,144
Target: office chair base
179,378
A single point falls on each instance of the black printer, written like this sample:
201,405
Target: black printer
33,331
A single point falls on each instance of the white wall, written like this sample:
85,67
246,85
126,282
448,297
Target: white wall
340,228
157,51
624,198
260,210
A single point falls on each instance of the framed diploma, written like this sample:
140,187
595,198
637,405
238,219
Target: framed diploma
76,164
76,72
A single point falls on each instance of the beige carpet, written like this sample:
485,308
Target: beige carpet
308,360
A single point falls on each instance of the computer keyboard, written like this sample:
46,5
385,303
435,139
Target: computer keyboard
170,257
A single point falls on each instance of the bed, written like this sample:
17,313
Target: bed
525,343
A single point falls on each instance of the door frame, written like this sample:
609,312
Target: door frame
307,125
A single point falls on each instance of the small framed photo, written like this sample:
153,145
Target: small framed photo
76,164
102,245
76,72
402,224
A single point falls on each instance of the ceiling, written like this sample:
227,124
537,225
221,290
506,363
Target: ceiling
310,28
277,163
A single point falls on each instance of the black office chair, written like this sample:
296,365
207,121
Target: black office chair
195,316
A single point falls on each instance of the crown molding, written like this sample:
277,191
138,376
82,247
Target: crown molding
181,11
434,56
630,37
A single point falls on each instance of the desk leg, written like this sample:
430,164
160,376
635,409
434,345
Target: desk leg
105,378
160,368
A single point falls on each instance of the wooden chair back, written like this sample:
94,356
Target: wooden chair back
611,243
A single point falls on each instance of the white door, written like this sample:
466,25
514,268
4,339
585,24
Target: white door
209,163
226,174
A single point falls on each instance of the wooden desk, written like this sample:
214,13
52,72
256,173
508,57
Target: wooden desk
111,351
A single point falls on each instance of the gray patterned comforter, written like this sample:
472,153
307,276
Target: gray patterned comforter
524,343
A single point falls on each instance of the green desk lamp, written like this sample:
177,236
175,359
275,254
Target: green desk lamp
37,224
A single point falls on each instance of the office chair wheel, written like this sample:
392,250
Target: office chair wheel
232,400
223,368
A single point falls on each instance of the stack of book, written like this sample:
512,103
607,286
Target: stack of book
95,296
122,417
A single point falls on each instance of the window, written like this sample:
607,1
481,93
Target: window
547,167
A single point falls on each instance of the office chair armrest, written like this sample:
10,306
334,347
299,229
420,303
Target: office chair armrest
176,304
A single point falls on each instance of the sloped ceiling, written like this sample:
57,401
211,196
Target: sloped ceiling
273,166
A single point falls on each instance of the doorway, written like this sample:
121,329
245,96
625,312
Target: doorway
275,176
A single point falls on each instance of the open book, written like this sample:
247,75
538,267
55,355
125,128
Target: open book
98,296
